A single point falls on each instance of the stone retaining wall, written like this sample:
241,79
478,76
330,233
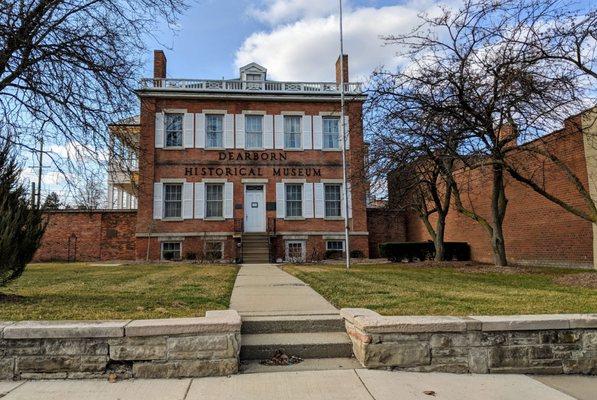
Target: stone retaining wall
534,344
168,348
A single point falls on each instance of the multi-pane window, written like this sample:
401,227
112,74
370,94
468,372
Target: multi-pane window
292,132
294,200
173,200
334,245
331,133
171,250
214,129
173,130
254,77
333,200
254,131
295,251
214,200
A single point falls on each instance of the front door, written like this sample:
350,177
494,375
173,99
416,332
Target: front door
254,208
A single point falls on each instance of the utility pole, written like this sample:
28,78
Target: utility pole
343,128
39,173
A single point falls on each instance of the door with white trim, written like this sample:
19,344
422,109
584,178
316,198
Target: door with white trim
255,220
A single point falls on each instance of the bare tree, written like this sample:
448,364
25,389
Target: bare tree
90,194
69,68
478,68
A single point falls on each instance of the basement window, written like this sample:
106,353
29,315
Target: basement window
334,245
295,251
171,250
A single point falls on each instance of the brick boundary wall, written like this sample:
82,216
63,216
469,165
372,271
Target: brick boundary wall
168,348
537,231
521,344
101,235
385,225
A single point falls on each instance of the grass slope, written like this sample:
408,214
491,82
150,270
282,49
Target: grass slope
77,291
399,289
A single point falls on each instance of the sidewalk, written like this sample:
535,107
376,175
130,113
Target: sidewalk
312,385
264,289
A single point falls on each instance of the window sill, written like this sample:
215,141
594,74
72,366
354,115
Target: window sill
332,150
215,148
293,149
215,219
295,218
333,218
173,219
173,148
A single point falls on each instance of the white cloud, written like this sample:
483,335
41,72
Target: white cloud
307,49
277,11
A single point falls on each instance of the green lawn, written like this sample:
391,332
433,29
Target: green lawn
402,289
78,291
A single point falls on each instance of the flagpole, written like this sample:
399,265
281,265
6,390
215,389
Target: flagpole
342,124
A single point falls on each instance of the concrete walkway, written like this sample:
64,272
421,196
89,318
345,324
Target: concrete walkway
311,385
264,289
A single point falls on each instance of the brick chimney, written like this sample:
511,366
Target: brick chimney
345,72
159,64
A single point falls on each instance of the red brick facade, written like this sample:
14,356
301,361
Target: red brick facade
536,230
88,236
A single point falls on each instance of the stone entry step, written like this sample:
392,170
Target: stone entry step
305,345
255,248
292,324
309,364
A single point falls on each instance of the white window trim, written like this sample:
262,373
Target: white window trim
262,148
333,182
215,112
334,240
222,218
166,181
302,216
303,251
173,111
293,114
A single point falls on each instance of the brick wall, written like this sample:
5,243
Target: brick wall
100,235
536,230
385,226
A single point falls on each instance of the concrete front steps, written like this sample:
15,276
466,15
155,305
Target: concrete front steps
310,337
255,248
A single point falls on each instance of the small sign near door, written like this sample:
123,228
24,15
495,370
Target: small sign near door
254,205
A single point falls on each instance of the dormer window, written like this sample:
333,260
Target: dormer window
254,77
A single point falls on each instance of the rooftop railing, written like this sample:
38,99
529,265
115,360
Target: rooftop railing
250,86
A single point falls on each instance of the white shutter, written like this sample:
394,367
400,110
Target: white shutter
228,200
188,122
268,132
240,131
187,201
280,200
307,138
229,131
159,130
308,200
347,130
319,200
158,190
200,131
317,132
349,200
199,200
279,130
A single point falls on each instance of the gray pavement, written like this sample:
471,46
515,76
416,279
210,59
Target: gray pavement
354,384
264,289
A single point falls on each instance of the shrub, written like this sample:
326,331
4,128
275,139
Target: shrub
191,256
21,225
356,254
410,251
334,254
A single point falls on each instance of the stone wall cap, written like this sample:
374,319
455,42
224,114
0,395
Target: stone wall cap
371,322
217,321
583,321
64,329
524,322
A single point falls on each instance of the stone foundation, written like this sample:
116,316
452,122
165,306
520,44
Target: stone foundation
169,348
531,344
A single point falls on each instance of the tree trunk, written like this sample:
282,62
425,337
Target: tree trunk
438,240
498,211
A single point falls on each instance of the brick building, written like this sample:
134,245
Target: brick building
536,230
246,168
